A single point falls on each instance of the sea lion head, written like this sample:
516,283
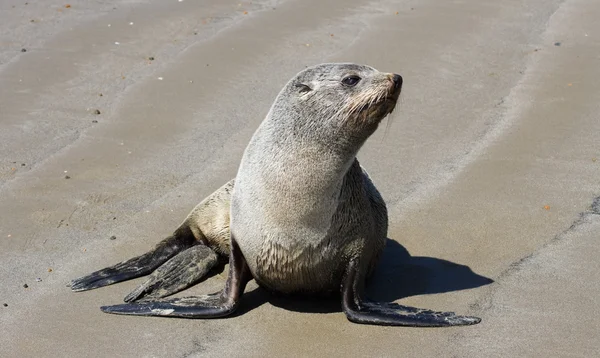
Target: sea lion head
338,97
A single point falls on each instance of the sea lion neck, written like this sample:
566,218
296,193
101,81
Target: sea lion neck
323,149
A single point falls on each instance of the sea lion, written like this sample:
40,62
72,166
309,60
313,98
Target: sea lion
304,215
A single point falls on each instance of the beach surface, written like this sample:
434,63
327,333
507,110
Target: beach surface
117,117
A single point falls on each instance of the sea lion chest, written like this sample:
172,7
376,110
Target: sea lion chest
286,250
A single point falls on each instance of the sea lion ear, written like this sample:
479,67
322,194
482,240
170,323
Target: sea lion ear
302,88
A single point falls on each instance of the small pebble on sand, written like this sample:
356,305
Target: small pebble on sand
97,111
5,304
38,280
25,285
23,50
113,237
67,177
94,121
557,44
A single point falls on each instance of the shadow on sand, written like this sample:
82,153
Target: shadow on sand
398,275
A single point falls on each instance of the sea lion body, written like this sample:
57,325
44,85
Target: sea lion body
304,217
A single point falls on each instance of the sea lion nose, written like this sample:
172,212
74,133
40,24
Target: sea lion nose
397,81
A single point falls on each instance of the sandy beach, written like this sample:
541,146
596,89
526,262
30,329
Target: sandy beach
117,117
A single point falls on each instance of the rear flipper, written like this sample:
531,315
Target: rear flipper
208,306
358,310
392,314
180,272
137,266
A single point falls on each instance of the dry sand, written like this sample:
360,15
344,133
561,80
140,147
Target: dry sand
491,167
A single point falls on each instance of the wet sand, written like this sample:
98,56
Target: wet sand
490,168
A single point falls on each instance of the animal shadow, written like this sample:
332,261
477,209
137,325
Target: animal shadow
398,275
401,275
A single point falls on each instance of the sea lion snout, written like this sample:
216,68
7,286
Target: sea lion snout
397,81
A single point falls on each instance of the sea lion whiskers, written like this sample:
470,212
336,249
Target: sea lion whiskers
363,101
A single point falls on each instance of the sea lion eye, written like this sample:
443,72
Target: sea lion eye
351,80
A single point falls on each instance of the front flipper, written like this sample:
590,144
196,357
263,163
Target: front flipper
179,273
361,311
208,306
